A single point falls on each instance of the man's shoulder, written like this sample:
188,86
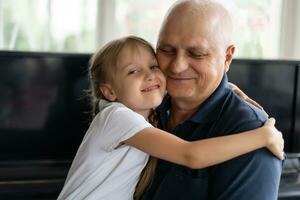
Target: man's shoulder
238,107
238,115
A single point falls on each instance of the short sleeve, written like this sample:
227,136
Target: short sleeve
121,124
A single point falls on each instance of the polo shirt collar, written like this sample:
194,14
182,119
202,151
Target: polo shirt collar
209,111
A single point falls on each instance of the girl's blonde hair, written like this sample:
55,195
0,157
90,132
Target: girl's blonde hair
101,70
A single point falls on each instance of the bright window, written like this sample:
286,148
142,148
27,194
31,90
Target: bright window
83,25
142,18
256,27
48,25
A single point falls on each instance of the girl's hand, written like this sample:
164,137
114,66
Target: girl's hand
241,94
275,141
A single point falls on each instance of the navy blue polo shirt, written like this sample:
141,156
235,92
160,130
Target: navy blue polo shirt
254,176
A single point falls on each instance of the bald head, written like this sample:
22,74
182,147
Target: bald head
194,13
194,50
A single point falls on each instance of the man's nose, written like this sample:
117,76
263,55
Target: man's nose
179,64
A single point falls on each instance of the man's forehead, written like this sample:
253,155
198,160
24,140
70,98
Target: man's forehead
185,38
189,43
202,22
198,32
189,24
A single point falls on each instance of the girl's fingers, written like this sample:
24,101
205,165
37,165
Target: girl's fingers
270,121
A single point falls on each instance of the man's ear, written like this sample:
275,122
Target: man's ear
229,56
108,92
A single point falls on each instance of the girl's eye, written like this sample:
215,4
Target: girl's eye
154,67
134,71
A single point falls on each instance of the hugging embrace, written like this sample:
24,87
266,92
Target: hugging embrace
204,141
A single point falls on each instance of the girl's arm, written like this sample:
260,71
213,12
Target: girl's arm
241,94
207,152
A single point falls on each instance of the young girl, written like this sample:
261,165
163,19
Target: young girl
126,85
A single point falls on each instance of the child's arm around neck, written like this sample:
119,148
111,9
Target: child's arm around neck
207,152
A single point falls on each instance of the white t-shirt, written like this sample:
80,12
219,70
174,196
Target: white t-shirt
99,171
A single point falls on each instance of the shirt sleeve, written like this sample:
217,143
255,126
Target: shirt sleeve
255,175
121,124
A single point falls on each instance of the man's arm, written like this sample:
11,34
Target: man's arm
255,175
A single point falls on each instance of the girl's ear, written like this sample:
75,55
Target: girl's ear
108,92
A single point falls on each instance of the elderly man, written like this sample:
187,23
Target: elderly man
194,52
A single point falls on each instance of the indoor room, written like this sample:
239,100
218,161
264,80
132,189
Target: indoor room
200,81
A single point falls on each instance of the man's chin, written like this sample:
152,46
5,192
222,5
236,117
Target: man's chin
179,94
175,91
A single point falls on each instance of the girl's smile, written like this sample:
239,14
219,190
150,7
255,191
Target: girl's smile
138,81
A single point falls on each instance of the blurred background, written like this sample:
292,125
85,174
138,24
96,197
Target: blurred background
45,46
268,29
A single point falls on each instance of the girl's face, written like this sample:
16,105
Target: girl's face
138,81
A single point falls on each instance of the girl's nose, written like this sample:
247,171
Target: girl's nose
149,75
